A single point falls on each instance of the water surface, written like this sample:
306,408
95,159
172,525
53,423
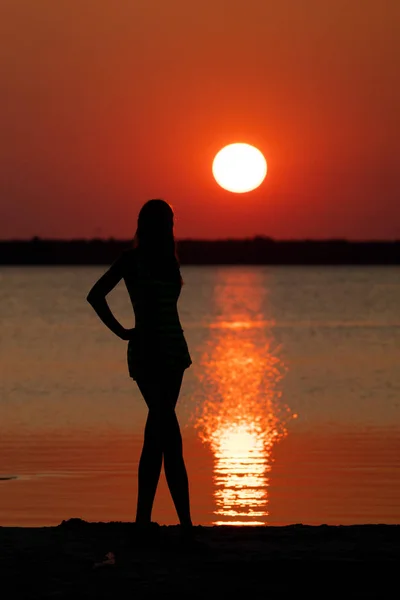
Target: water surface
290,412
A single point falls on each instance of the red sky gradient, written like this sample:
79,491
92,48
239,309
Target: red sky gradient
104,105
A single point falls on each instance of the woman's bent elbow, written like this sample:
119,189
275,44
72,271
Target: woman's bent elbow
91,298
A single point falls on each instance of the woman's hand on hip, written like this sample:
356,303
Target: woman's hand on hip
127,334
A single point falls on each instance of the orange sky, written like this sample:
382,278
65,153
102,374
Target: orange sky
106,104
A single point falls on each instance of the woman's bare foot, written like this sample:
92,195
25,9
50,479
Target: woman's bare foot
146,532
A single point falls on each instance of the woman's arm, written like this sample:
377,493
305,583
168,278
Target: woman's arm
97,298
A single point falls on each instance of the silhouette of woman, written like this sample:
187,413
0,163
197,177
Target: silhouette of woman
157,352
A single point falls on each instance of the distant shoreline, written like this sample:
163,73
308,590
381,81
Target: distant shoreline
252,251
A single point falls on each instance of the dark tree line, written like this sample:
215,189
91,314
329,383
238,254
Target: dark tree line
257,251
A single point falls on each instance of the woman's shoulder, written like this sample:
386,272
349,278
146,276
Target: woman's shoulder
128,261
129,254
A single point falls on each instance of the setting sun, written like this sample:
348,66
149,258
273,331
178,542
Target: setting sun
239,168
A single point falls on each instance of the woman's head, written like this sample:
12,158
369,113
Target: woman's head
155,235
156,219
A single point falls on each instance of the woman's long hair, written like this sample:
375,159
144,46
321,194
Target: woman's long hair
155,240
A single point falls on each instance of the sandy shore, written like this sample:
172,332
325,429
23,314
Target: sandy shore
70,561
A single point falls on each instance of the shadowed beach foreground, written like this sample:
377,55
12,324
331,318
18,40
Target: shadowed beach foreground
70,561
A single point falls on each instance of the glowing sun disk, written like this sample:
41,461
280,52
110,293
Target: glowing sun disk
239,168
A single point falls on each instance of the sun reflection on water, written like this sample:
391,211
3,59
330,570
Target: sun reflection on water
242,415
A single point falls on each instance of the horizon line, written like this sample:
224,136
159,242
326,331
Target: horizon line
265,238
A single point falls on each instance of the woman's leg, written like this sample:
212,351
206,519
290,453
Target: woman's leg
149,467
162,436
174,464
